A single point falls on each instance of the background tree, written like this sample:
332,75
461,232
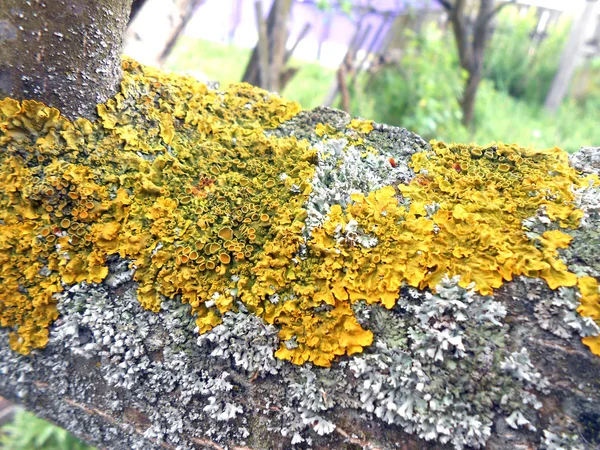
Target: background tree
266,67
472,28
570,56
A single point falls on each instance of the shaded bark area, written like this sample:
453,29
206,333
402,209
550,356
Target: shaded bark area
66,54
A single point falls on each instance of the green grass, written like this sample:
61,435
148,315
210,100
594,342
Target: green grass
226,64
27,432
310,85
501,117
219,62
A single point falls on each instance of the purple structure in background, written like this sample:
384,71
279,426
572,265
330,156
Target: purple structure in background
234,21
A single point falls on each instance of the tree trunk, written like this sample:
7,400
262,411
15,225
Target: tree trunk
471,41
469,96
569,57
68,57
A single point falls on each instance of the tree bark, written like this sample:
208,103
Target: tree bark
65,54
121,377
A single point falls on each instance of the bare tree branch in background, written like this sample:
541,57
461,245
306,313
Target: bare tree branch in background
263,47
348,65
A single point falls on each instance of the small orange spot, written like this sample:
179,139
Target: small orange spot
423,181
393,162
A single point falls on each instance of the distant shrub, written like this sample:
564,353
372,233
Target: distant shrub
518,66
420,91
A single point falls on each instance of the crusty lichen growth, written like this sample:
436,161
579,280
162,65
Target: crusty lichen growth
184,182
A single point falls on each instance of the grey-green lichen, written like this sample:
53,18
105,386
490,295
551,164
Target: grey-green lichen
441,367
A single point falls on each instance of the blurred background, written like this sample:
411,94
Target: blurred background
522,71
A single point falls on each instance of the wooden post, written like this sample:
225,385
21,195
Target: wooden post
157,26
568,59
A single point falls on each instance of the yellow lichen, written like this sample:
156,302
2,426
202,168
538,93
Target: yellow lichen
475,232
75,192
183,181
363,126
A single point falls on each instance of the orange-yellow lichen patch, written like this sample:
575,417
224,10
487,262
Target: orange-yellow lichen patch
474,231
590,307
593,342
481,209
590,297
169,172
363,126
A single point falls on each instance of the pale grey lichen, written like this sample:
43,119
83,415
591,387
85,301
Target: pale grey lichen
138,349
586,160
218,408
556,310
247,340
343,170
440,365
562,441
582,255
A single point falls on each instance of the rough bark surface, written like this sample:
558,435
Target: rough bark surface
66,54
122,377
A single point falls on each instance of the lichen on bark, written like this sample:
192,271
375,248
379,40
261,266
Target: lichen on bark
394,265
